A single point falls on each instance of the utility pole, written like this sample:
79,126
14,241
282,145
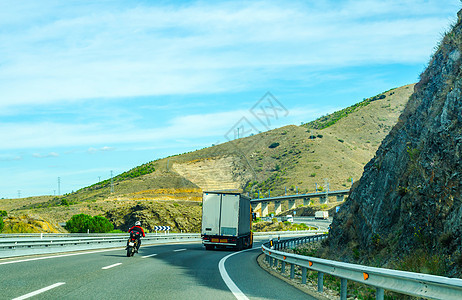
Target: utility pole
112,184
19,193
99,178
59,186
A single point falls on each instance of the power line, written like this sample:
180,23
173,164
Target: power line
112,184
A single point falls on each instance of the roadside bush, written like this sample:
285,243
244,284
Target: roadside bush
82,223
1,224
273,145
3,213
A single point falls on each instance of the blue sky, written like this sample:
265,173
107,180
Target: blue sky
93,86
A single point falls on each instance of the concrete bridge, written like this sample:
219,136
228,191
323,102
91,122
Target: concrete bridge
323,199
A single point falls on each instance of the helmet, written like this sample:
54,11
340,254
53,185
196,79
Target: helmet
137,223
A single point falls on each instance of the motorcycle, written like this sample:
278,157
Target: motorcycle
132,243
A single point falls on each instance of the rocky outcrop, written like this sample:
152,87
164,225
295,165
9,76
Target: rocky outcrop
180,217
409,197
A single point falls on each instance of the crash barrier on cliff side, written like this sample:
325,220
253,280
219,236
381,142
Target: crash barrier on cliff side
408,283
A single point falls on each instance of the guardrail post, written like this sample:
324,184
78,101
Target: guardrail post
320,282
343,289
379,294
292,271
303,275
283,267
271,262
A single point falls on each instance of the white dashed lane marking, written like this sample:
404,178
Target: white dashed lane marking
32,294
149,255
178,250
111,266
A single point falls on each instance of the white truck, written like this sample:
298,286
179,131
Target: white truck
226,220
321,215
288,218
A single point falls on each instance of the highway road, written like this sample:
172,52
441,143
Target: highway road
169,271
311,221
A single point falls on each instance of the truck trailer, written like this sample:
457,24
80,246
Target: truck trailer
321,215
226,220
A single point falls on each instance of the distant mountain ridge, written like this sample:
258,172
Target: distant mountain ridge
326,153
332,149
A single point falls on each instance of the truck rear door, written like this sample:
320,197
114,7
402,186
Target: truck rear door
211,210
229,214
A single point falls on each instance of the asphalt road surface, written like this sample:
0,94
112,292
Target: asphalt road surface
170,271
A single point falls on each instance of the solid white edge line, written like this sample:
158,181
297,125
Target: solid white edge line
228,281
151,255
39,291
111,266
178,250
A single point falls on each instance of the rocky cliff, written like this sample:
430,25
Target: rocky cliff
407,206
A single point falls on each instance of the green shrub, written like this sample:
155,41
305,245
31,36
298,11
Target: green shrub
82,223
273,145
320,136
1,224
3,213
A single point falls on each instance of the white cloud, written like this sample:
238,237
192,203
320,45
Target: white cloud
199,47
102,149
51,154
10,157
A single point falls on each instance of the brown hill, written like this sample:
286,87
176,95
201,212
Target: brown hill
328,151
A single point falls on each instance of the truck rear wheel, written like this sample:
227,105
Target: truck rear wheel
239,244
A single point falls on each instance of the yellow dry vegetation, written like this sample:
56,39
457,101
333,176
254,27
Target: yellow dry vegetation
169,191
28,224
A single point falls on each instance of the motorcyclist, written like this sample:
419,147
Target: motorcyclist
137,228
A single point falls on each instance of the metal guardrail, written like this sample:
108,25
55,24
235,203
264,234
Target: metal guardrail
13,245
408,283
17,246
293,232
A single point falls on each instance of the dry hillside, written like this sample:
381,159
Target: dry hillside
332,149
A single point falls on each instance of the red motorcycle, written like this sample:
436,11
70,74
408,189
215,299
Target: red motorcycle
133,243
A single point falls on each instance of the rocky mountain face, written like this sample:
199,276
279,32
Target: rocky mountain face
408,201
185,217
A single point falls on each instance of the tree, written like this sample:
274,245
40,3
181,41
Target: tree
83,223
1,224
102,224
